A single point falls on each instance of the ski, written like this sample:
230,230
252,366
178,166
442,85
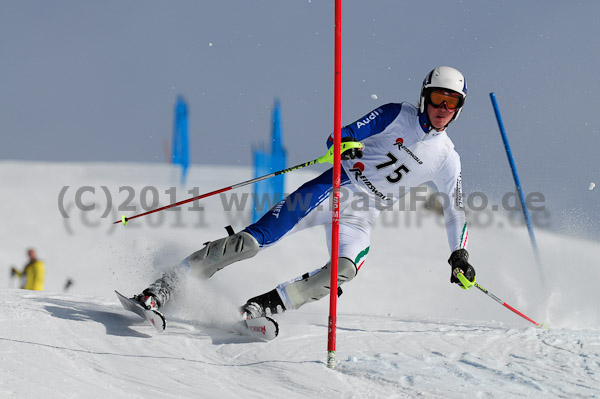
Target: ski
153,317
263,328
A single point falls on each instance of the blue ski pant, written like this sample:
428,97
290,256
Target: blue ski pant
309,206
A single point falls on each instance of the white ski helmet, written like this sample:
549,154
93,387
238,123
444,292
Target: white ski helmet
444,77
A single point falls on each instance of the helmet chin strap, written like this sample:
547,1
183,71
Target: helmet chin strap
424,121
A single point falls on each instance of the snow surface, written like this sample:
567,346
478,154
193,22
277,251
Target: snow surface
403,329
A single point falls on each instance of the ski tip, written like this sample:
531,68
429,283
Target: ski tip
153,317
275,323
162,326
263,328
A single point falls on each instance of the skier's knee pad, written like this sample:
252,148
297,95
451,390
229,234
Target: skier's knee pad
313,286
220,253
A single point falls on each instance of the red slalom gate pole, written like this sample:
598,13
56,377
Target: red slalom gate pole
335,218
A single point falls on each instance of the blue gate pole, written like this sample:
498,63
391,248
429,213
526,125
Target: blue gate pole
513,168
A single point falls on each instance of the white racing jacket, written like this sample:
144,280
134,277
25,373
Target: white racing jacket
402,152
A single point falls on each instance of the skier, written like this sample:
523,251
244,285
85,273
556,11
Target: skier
404,147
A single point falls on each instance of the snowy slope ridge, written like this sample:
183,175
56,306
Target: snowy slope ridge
59,345
403,330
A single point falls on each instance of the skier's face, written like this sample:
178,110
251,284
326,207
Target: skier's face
440,116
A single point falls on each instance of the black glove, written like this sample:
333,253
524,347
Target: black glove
351,153
459,263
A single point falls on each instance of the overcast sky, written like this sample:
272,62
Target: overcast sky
98,80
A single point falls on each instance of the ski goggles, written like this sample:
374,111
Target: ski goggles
438,97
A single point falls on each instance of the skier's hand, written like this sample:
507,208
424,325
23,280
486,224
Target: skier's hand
13,272
351,153
459,263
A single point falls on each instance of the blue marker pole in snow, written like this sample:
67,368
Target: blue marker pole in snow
180,154
513,168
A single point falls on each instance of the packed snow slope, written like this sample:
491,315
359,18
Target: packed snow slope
403,329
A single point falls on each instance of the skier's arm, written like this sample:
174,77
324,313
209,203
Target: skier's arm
449,182
374,122
15,272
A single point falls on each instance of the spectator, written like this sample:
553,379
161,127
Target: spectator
33,274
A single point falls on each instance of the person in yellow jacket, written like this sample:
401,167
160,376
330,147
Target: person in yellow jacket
34,272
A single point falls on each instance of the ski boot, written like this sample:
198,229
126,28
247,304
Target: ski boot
263,305
147,301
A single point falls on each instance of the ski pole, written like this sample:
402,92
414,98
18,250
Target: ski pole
467,284
323,159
